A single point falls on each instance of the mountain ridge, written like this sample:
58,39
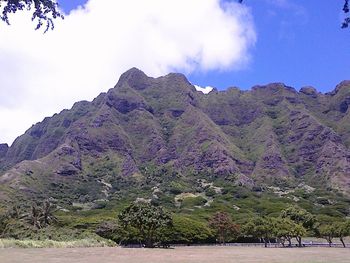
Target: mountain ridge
269,135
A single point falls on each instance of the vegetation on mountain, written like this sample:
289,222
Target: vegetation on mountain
250,154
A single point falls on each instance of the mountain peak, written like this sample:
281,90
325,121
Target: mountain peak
341,86
136,79
274,87
308,90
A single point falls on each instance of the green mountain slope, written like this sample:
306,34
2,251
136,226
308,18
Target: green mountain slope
160,139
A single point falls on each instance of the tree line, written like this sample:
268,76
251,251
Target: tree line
150,225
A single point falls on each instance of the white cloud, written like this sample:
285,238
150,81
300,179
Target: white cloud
205,90
41,74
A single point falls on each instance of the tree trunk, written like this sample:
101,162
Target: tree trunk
149,244
282,241
299,241
342,241
329,241
289,242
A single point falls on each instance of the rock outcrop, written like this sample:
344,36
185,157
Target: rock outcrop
271,135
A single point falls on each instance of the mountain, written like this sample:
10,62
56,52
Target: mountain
148,136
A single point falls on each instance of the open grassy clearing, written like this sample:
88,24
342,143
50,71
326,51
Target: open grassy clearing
179,254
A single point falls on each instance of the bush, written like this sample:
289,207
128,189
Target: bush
188,231
210,192
190,202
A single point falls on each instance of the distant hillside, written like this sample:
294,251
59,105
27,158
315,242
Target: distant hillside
161,135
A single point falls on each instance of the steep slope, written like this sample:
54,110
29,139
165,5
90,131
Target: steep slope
152,132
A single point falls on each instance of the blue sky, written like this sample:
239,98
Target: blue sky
217,43
299,42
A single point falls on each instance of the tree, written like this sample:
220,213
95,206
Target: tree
44,11
342,229
4,221
147,219
47,213
261,228
286,229
301,217
33,216
187,231
328,232
223,226
40,216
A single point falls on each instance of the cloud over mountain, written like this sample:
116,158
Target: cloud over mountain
85,54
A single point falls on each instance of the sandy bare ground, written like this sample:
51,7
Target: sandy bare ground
181,254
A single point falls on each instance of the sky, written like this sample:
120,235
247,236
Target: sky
216,43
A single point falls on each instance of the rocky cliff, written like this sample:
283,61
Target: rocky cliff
145,128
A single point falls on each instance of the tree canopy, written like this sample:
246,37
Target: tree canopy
147,219
224,228
259,227
44,11
302,218
335,230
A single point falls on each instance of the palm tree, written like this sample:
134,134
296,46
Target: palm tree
47,216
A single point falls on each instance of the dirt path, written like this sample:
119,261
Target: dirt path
181,254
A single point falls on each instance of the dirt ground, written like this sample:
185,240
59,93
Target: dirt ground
179,254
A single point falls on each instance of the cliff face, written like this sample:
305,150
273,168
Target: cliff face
143,127
3,150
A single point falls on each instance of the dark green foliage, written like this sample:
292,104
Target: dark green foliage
110,230
299,216
210,192
4,222
190,202
270,228
147,219
188,231
328,232
177,188
40,216
342,229
157,139
261,228
286,229
333,230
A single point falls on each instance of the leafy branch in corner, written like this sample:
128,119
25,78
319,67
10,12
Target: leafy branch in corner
346,11
44,11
